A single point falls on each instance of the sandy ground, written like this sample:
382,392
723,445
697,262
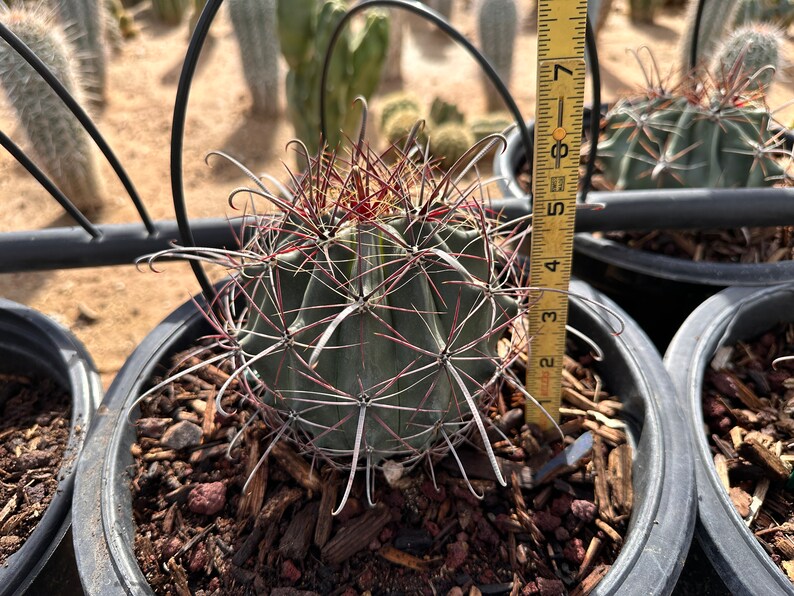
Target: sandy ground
112,309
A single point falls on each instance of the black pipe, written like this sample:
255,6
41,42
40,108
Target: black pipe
120,244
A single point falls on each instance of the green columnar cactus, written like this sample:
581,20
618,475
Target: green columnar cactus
692,139
170,12
716,19
756,48
84,24
643,11
497,23
449,142
304,31
779,12
254,23
376,297
398,102
60,144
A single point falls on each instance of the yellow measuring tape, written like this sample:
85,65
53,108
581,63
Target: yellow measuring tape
558,128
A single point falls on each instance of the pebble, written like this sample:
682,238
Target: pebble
152,428
546,521
86,313
171,547
290,572
208,498
33,459
182,435
584,510
550,587
198,558
574,551
456,555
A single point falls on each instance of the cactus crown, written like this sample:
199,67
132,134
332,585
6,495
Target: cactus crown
364,315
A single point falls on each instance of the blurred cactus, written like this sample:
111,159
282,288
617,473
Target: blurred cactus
716,19
643,11
779,12
170,12
488,124
400,124
304,31
84,24
398,102
597,12
444,112
755,48
392,68
59,142
497,21
449,142
254,23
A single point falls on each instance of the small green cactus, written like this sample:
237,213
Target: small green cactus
170,12
304,31
449,142
254,23
84,24
755,48
398,102
59,142
400,124
443,112
489,124
716,19
497,21
643,11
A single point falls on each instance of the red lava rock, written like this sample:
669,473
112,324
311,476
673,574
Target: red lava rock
713,407
431,493
374,545
353,508
530,589
456,555
208,498
214,585
366,581
290,572
152,428
546,522
561,534
198,558
584,510
386,534
550,587
432,527
171,547
561,505
349,592
486,532
574,551
465,495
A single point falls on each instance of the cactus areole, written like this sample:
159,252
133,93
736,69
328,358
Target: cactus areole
366,312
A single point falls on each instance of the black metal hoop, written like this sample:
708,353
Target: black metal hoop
693,53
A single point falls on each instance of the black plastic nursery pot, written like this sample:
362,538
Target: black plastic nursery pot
649,563
659,291
731,315
31,343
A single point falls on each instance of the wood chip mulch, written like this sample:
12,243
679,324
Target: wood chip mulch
748,406
34,432
197,534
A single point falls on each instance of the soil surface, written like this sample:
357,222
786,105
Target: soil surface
34,432
112,309
199,532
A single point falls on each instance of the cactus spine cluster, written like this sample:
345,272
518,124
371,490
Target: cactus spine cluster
304,31
60,144
84,24
497,21
254,23
716,19
755,47
706,134
170,12
376,297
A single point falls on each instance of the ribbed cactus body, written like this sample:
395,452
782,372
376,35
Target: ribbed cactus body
488,124
254,23
60,144
84,24
754,47
672,142
716,19
170,12
397,102
304,31
497,22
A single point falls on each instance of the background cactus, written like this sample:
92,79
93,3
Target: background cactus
754,47
497,22
59,143
488,124
449,142
397,102
597,12
400,124
84,24
444,112
170,12
643,11
696,137
717,17
375,302
304,31
254,23
779,12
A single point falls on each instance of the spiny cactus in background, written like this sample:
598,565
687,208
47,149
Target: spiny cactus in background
400,124
449,142
254,23
597,12
497,21
700,135
716,19
444,112
779,12
755,47
376,297
397,102
643,11
170,12
304,31
84,24
60,144
490,124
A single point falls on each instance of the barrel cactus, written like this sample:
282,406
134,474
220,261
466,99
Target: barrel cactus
497,20
706,133
58,141
756,48
374,301
84,24
449,142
